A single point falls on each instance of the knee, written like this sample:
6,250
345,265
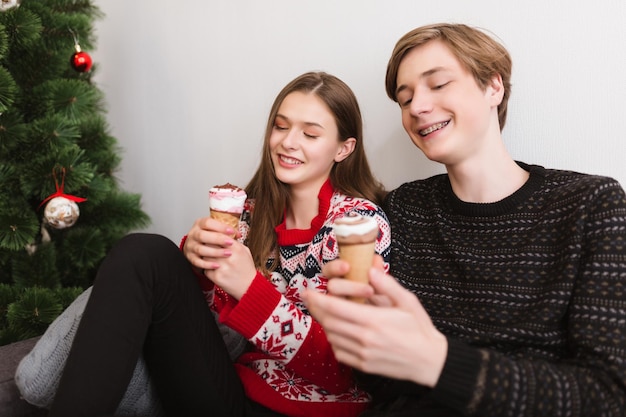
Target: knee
145,243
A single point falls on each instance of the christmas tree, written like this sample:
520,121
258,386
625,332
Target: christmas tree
62,208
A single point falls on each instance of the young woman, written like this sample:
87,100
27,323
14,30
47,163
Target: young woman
519,271
146,297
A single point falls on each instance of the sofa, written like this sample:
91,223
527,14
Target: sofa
11,403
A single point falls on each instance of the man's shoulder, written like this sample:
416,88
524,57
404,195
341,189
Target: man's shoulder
421,187
571,181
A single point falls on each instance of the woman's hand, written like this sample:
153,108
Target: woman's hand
233,273
222,259
208,239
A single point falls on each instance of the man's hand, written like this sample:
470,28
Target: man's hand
391,336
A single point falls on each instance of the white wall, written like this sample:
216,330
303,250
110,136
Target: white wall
189,85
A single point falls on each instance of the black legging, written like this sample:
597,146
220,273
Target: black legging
146,298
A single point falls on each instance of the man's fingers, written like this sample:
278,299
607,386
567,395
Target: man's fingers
335,268
379,262
322,306
386,285
327,309
341,287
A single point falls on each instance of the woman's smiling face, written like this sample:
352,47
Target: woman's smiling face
304,142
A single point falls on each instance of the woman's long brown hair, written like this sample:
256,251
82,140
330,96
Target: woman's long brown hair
352,176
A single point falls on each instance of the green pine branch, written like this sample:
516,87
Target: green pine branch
54,139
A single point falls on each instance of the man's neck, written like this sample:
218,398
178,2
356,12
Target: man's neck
487,178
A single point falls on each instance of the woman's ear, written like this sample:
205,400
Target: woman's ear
345,149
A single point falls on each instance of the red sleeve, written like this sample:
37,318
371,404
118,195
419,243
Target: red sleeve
182,242
253,309
314,359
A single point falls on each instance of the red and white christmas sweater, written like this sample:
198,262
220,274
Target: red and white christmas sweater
290,366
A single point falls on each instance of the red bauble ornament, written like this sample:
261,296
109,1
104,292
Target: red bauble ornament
81,61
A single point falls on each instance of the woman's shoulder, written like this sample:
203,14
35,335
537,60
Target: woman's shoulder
341,204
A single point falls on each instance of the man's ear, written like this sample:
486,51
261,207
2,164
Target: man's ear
495,89
345,149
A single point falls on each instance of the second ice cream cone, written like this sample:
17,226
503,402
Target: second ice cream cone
356,237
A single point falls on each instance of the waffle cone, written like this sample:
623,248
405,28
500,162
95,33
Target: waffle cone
231,219
360,256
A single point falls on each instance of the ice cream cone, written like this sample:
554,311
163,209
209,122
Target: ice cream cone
356,237
231,219
226,204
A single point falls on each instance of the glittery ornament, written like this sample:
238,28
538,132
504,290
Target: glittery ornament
9,4
61,209
61,213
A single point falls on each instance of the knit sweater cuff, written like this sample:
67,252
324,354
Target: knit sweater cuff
458,382
181,245
253,309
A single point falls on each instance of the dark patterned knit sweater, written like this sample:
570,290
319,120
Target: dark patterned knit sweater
530,292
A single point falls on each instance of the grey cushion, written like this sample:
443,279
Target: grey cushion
39,372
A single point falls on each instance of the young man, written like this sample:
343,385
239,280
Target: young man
512,299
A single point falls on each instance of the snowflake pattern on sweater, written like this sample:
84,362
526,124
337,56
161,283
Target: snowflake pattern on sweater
290,353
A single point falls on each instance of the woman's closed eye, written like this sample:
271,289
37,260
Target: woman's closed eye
280,127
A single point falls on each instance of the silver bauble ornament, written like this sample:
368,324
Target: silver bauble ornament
61,213
9,4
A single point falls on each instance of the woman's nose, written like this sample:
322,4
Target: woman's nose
290,140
